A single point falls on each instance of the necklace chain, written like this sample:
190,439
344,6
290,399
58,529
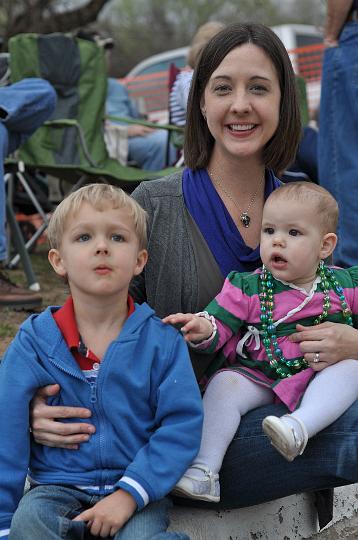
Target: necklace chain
244,214
281,365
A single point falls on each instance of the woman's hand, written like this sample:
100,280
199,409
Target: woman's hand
48,431
195,328
332,341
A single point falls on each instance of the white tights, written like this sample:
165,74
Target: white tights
230,395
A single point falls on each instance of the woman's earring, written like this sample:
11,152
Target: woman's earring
203,112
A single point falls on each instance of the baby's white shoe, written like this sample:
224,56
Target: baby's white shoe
205,487
287,440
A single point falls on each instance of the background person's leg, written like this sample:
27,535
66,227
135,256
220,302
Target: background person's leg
149,152
337,139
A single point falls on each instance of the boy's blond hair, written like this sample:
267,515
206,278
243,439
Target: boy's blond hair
98,196
307,192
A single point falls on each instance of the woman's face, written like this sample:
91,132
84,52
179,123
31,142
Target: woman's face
241,103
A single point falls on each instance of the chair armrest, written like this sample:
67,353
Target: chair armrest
168,127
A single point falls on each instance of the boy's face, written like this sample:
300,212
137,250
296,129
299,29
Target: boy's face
292,242
99,252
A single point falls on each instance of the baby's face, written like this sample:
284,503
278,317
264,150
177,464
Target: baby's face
99,252
291,240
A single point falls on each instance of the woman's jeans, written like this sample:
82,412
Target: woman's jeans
46,513
338,139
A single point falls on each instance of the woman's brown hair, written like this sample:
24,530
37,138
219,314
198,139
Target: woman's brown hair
281,149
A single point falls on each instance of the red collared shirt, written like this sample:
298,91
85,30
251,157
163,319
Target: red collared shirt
66,321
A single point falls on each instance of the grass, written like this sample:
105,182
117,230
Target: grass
53,292
7,330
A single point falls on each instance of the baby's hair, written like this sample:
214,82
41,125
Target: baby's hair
99,196
308,192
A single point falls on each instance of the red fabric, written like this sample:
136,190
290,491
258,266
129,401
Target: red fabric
172,75
66,321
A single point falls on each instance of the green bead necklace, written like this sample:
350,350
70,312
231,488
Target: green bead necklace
283,367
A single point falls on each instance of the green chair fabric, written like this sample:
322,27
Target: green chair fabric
302,98
71,144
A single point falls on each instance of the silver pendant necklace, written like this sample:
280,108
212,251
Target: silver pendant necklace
244,214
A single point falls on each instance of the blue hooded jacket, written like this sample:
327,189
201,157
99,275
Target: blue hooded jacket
145,404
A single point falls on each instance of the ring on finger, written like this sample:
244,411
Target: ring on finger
316,357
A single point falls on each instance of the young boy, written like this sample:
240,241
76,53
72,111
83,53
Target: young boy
113,357
294,286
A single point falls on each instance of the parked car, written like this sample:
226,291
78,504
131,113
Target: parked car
160,62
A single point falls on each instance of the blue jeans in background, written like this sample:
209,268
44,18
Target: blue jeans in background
46,513
338,139
24,106
149,151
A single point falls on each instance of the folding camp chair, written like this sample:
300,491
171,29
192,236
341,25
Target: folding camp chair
71,145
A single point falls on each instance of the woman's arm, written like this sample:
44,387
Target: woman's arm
333,341
48,431
337,12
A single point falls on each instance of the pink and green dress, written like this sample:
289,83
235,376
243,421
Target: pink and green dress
236,310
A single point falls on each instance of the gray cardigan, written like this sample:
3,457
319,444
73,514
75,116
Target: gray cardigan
170,281
181,274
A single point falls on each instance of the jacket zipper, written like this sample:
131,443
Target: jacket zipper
93,400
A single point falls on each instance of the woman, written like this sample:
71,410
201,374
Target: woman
242,128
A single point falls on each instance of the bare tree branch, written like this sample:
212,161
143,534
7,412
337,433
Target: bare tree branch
40,16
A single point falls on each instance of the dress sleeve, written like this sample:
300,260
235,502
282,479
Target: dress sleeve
230,309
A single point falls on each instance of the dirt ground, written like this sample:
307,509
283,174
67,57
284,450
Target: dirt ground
53,292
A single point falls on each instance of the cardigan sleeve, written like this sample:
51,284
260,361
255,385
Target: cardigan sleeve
137,287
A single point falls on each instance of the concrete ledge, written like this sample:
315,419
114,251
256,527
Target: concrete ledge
289,518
